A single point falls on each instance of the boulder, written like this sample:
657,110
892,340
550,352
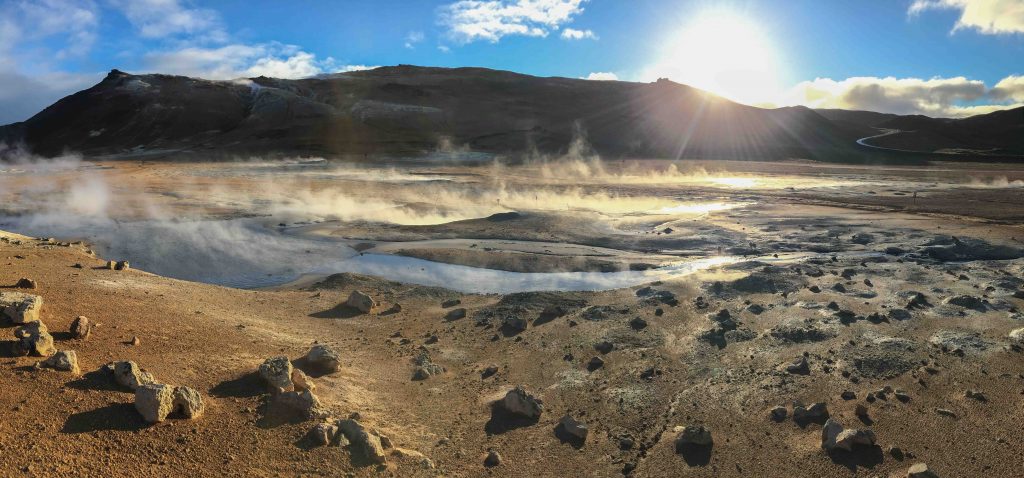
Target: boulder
154,401
20,308
835,437
519,402
81,328
33,339
324,358
574,429
277,372
304,402
455,314
129,375
188,402
64,360
366,442
361,302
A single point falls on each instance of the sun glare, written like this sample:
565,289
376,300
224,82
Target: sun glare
723,52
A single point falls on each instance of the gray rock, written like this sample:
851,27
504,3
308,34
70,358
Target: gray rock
304,402
188,402
366,442
361,302
129,375
154,401
33,339
81,328
455,314
519,402
799,366
574,428
814,412
920,470
63,360
19,307
323,434
835,437
277,372
324,358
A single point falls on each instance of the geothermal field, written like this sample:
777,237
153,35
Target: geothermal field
469,314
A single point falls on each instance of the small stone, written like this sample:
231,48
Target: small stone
489,371
779,413
154,401
573,428
122,266
322,434
799,366
814,412
896,452
64,360
920,470
976,395
136,341
848,395
595,363
514,324
450,303
24,283
81,328
945,412
493,459
361,302
520,402
638,323
455,314
605,347
861,410
303,401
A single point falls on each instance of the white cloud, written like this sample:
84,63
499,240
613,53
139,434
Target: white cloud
986,16
1010,88
574,34
602,76
162,18
413,38
939,97
27,22
444,49
239,60
490,20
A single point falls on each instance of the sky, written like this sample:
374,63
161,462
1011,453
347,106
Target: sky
949,58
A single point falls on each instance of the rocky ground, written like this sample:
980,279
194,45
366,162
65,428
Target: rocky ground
847,341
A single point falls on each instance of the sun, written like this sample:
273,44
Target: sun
723,52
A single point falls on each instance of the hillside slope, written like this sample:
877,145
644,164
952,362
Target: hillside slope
407,108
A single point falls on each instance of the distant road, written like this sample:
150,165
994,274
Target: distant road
887,132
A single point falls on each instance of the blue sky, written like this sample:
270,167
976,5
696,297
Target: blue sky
935,57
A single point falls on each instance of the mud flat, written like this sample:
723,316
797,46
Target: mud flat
846,301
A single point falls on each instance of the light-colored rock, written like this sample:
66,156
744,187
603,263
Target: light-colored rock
301,381
324,358
835,437
1017,336
64,360
135,341
33,339
277,372
367,443
188,402
19,307
81,328
129,374
154,401
519,402
920,470
361,302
